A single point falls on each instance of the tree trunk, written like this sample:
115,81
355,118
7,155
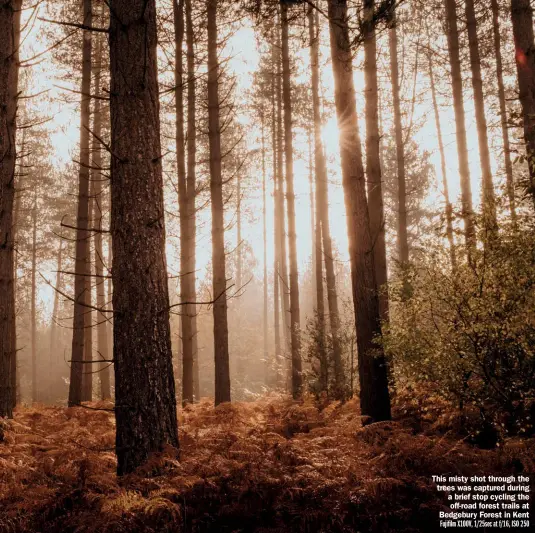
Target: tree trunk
488,198
460,126
297,378
9,72
219,281
509,180
522,18
189,244
322,203
264,236
145,404
276,211
373,162
33,304
87,376
185,318
97,180
448,207
403,243
55,310
374,395
81,295
283,267
319,172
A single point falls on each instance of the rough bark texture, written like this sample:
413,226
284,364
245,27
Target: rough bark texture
373,162
489,200
219,278
503,110
189,243
374,394
522,18
97,180
460,126
145,406
9,67
403,243
81,295
445,189
295,322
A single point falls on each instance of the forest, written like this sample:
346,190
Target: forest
265,265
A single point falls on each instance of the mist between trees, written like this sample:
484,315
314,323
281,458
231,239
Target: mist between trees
232,200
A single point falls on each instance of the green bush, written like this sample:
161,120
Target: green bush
470,331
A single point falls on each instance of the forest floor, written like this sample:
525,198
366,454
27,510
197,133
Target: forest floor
272,465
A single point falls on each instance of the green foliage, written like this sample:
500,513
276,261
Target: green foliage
471,332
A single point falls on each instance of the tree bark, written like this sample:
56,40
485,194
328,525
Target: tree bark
509,180
9,72
276,211
33,303
460,126
189,245
264,237
145,406
295,335
283,266
81,295
374,394
219,281
522,18
489,200
448,206
403,243
185,226
373,161
55,310
97,180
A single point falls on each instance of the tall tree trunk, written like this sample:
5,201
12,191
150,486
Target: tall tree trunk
460,126
509,180
403,243
522,18
448,206
319,173
489,200
264,236
276,211
186,322
373,162
81,295
322,210
33,304
9,72
55,310
374,394
283,267
145,404
97,180
189,245
297,378
87,376
219,281
15,374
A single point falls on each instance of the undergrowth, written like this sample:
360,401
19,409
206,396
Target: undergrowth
269,466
